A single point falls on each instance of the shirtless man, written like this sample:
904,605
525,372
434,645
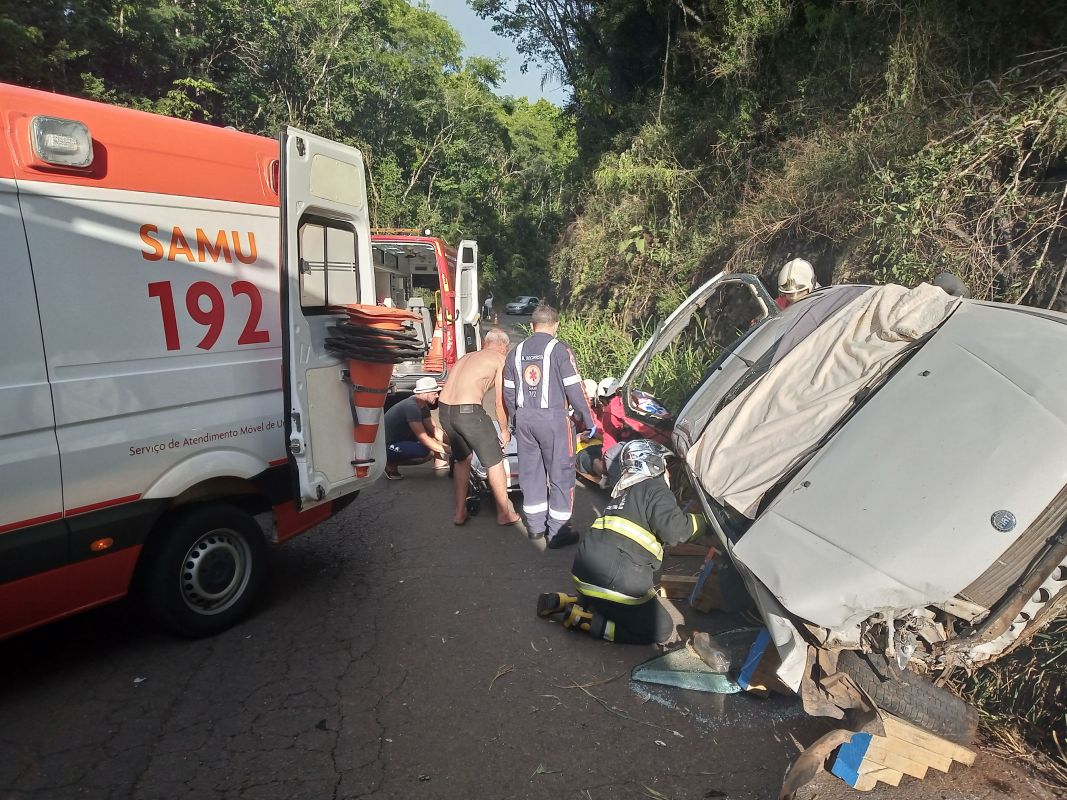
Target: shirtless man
469,428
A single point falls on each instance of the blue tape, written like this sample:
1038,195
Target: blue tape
755,653
850,757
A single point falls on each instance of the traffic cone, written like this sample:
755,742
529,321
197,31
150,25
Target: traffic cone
370,384
370,378
435,358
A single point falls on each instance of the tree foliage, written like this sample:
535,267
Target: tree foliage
882,139
444,149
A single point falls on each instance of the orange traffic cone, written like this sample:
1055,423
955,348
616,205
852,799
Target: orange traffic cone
435,358
370,381
370,384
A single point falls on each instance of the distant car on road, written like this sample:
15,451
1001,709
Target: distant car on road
523,304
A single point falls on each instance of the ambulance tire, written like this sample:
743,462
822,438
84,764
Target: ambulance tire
205,567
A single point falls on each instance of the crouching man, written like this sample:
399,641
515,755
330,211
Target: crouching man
617,557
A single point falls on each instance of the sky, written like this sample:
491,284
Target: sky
479,40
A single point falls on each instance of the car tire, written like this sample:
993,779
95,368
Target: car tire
204,569
910,696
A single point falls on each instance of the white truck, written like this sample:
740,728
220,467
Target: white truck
167,407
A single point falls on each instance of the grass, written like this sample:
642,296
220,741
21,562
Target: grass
1023,702
603,348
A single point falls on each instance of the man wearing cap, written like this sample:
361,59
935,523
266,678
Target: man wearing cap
540,379
410,435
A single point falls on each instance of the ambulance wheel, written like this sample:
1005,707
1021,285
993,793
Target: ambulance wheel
205,569
474,506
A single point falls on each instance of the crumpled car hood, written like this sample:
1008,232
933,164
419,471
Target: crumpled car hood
896,510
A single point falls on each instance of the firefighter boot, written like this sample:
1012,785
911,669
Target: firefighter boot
577,618
554,603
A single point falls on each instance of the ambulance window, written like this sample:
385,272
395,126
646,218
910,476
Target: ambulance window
329,274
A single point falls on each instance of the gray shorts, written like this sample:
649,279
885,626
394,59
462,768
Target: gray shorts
469,431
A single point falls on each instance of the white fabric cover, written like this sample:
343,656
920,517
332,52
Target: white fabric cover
749,445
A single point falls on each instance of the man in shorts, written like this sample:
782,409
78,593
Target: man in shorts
469,428
410,435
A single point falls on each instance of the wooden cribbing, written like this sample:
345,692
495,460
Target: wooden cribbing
867,760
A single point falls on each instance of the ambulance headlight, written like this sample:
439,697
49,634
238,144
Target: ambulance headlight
61,142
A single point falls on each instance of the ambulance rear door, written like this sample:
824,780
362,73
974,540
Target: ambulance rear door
326,263
468,337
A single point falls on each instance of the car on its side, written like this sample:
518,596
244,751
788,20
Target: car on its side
885,469
523,304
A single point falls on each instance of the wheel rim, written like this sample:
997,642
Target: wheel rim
215,571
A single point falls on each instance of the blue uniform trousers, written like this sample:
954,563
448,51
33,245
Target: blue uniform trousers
545,442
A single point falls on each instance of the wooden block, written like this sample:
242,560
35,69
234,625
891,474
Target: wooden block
759,672
897,728
688,549
881,752
676,587
872,774
915,754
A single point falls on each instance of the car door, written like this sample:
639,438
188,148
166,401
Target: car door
33,534
326,263
700,332
468,338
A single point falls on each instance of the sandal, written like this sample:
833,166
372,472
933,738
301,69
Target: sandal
393,474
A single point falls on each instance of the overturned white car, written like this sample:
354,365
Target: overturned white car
887,470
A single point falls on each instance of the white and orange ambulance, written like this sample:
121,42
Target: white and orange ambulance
166,403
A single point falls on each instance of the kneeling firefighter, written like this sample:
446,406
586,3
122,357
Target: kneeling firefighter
617,557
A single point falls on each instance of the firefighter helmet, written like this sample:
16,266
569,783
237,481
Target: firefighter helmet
644,457
797,277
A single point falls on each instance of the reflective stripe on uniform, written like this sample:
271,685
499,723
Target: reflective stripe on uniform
573,379
509,384
696,525
632,531
562,516
546,372
609,631
518,376
590,590
540,508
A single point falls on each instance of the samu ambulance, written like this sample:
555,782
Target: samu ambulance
167,406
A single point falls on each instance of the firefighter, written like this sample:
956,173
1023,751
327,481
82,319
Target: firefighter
796,280
540,378
616,599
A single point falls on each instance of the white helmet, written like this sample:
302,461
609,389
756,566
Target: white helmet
640,459
796,277
606,388
589,387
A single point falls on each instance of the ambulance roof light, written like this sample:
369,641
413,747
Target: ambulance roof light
61,142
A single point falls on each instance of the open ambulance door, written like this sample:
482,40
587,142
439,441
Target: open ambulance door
468,309
704,326
326,262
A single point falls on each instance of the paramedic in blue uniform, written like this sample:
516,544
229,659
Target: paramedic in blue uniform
540,379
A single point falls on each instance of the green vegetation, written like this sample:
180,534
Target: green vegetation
444,149
1023,699
881,140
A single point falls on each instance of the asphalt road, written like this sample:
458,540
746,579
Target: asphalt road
394,656
397,656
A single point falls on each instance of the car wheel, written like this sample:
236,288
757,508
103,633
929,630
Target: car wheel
204,570
910,696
